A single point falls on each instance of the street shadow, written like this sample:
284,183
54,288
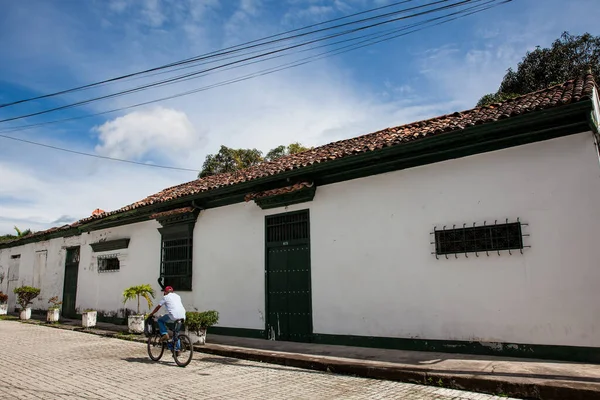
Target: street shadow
242,363
143,360
222,360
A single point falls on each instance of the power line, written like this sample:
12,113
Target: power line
181,77
472,10
196,58
278,68
95,155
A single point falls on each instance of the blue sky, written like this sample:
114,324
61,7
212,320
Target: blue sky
53,45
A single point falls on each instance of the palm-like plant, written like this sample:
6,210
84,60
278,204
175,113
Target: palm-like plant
134,292
21,233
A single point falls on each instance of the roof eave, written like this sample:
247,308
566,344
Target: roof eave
512,131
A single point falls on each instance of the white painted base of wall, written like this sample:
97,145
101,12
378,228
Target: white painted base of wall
53,315
88,319
25,314
3,309
135,323
197,337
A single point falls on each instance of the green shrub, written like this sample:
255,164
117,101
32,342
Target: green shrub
25,295
55,303
3,298
195,320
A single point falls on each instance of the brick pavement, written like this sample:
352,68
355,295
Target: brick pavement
38,362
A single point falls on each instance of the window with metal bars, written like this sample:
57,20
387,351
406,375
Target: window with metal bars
108,264
287,227
497,237
176,260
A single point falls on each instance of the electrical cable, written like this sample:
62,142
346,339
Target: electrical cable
243,78
475,9
181,77
192,59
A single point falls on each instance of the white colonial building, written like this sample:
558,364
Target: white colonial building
473,232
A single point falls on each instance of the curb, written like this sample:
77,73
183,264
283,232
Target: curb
482,384
528,391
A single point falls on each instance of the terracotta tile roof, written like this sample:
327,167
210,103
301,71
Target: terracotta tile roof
278,191
169,213
41,233
569,92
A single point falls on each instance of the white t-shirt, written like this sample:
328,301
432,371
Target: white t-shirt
174,307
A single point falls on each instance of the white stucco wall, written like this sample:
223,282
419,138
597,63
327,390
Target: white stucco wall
139,263
229,268
51,273
372,268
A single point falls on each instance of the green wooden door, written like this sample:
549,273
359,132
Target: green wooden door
70,284
288,288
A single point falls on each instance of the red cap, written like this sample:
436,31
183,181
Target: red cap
168,289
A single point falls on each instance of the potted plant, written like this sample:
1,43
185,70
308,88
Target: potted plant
53,310
88,318
136,322
196,324
3,303
25,296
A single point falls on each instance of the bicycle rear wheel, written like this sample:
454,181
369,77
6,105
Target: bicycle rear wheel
183,353
156,347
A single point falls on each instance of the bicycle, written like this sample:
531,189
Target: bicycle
179,344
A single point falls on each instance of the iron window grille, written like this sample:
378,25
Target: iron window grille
108,263
287,227
176,260
507,236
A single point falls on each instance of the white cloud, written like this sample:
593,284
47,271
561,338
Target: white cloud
250,6
118,5
145,132
467,70
241,26
312,13
41,196
153,13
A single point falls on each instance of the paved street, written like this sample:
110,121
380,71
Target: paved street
38,362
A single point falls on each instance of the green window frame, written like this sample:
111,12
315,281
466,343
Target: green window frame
176,256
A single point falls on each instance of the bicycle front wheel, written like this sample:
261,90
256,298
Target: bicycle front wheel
183,351
156,347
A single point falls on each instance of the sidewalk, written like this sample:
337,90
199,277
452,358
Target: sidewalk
513,377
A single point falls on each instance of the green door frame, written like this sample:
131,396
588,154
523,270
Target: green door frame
71,312
269,245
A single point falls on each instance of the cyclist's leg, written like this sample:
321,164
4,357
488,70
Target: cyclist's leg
176,327
162,326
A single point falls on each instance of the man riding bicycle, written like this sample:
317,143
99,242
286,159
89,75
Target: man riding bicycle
175,311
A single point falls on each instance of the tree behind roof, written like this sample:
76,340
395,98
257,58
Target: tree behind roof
231,160
570,56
